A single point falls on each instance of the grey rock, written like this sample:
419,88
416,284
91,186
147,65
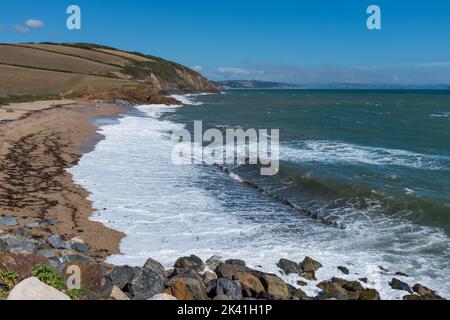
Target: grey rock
190,263
236,262
8,221
67,257
230,288
46,253
154,266
50,222
15,244
33,225
122,276
288,266
78,244
56,242
146,284
22,232
400,285
344,270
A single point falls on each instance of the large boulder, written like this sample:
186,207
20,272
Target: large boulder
341,289
230,288
310,264
251,285
190,263
22,264
426,293
78,244
275,287
145,284
236,262
188,286
225,270
288,266
369,294
213,262
154,266
121,276
33,289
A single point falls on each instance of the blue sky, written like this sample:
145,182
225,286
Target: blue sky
293,41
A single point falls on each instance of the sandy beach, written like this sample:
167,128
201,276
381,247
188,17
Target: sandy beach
38,143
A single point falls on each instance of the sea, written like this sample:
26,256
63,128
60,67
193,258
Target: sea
364,182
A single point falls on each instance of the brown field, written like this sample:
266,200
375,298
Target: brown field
25,81
89,54
126,55
41,59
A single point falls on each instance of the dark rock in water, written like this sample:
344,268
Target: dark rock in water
426,293
230,288
190,263
122,276
401,274
399,285
56,242
8,221
365,280
19,245
187,286
236,262
369,294
288,266
225,270
310,264
383,269
155,266
341,289
213,262
146,284
276,287
308,275
344,270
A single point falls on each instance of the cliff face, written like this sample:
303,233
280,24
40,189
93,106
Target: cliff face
39,71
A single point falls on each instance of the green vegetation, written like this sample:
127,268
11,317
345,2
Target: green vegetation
8,280
4,101
49,276
76,294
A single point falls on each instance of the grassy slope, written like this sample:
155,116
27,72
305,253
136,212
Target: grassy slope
46,70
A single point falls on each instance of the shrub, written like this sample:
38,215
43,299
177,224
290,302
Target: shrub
49,276
8,280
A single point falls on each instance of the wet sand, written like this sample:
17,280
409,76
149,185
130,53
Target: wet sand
35,151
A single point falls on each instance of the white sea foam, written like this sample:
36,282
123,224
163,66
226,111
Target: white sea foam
168,211
339,152
187,99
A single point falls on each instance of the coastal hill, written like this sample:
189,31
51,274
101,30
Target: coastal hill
36,71
253,84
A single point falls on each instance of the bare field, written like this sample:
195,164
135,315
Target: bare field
25,81
89,54
40,59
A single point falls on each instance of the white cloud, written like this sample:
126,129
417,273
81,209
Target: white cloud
233,70
21,29
435,64
197,68
34,24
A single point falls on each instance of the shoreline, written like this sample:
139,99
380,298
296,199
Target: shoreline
38,147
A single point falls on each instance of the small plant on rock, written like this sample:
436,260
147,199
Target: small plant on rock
49,276
76,294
